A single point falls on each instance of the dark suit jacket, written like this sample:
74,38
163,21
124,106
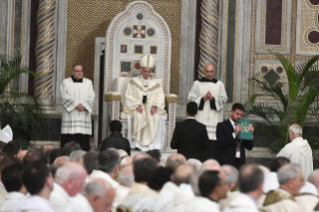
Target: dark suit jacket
227,144
189,138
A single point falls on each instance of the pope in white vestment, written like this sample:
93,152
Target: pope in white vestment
145,103
298,150
210,96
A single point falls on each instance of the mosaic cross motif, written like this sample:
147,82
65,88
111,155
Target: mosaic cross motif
139,31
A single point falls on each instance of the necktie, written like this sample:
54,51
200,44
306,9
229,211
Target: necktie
237,140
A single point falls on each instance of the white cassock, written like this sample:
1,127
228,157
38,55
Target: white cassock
3,191
181,197
165,197
36,203
231,195
271,182
58,197
201,204
281,200
242,203
79,203
145,131
12,202
308,197
210,112
73,121
299,151
137,193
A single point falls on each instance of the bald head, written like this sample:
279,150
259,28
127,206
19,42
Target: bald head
251,179
126,161
71,176
209,71
175,160
122,152
195,163
182,174
211,165
140,156
100,195
21,154
61,160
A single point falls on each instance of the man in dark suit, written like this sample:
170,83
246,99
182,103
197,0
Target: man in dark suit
190,137
231,148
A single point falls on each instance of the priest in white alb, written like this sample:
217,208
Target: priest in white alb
77,100
210,96
298,150
144,103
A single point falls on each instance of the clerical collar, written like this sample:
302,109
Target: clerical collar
206,80
75,80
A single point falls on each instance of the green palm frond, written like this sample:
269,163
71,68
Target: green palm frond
22,111
295,105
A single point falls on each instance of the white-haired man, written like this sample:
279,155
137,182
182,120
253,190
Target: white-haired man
69,180
290,178
145,102
97,196
298,150
231,180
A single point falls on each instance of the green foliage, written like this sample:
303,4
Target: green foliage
20,110
294,102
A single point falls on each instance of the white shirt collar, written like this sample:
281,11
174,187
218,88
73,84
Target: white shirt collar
232,123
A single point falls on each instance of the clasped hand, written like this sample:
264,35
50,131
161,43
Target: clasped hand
80,107
208,96
139,109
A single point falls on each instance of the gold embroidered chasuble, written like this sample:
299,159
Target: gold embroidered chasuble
144,126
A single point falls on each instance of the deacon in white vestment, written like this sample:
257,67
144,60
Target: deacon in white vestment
298,150
144,104
242,203
210,96
77,100
12,202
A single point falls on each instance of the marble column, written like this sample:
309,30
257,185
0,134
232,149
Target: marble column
209,35
45,58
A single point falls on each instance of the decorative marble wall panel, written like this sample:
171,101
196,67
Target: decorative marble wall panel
88,19
308,27
273,26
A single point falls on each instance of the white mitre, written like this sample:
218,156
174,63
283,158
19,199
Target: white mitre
6,134
147,61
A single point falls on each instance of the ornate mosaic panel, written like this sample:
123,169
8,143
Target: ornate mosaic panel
271,73
88,19
254,56
263,15
308,27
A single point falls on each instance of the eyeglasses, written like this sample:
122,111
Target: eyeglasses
78,71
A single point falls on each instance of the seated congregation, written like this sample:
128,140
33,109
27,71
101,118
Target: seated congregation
72,180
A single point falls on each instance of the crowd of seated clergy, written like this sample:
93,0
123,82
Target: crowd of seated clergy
72,180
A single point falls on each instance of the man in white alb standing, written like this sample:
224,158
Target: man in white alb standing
77,100
210,96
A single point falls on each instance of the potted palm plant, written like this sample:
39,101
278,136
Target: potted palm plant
297,103
20,110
